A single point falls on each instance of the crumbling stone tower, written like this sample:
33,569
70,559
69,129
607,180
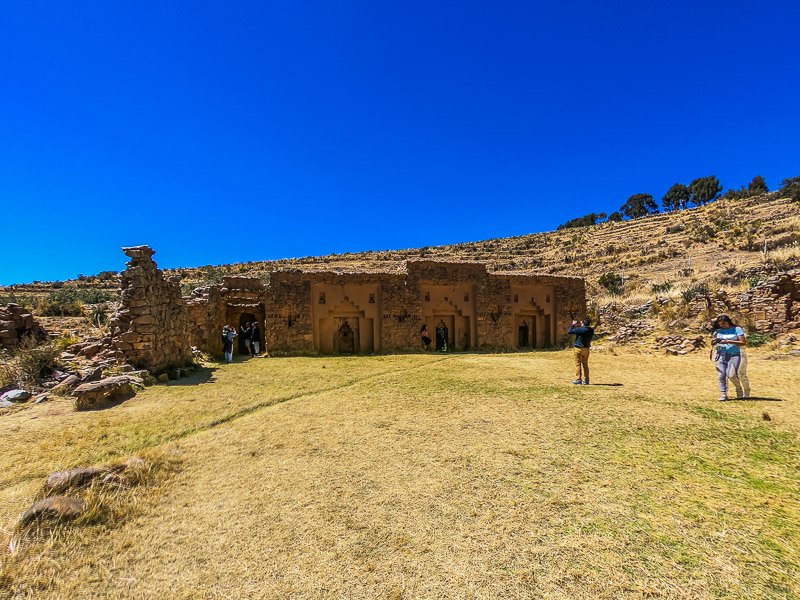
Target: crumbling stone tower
151,329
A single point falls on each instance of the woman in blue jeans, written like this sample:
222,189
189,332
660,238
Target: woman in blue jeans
728,338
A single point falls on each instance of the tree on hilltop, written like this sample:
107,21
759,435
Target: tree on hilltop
791,188
586,220
615,216
639,205
704,190
676,198
757,186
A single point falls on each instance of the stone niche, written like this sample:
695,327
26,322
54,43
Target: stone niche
151,328
346,318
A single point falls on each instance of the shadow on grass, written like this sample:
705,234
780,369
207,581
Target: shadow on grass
205,375
756,399
607,384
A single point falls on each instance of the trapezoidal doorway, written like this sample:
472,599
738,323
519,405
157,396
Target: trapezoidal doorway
346,337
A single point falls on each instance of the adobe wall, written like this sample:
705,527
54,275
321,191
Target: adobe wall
151,328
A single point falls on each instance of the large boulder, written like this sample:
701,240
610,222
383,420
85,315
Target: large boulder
54,507
97,394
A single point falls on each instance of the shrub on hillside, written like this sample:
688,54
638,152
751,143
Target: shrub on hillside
611,281
69,301
692,292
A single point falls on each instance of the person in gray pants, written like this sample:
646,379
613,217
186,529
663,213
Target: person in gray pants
728,340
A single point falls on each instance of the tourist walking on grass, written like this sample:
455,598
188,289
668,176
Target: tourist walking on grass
246,336
583,342
255,338
728,339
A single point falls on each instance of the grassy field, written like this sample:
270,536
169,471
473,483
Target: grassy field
425,476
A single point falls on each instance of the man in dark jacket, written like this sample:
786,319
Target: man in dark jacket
255,336
583,341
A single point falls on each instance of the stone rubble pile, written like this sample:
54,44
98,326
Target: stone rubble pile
631,330
679,344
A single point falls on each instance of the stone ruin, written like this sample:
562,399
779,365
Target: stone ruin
16,324
151,328
463,305
773,306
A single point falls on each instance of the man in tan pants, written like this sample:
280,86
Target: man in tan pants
583,342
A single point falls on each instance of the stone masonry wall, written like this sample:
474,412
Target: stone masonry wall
151,329
773,306
17,323
483,301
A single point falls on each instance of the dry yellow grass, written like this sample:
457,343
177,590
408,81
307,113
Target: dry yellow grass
430,476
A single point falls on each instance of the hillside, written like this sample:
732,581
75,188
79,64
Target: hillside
720,244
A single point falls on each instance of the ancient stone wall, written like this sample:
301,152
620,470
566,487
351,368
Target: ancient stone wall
773,306
16,324
151,329
470,307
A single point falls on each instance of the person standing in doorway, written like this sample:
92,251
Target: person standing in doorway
728,340
583,342
246,333
255,338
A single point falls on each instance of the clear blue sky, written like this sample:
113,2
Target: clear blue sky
220,132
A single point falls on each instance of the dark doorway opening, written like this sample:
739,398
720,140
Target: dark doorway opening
441,337
524,335
244,319
347,339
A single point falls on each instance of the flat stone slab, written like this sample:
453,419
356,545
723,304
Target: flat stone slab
97,394
54,507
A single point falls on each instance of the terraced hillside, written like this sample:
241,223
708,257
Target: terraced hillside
721,244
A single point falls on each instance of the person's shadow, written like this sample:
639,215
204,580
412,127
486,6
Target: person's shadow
607,384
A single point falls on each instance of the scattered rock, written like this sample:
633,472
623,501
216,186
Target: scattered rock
163,378
5,404
173,373
97,394
63,480
95,374
41,398
16,396
67,384
765,416
54,507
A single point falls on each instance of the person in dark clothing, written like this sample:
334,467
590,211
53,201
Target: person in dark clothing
246,332
583,342
255,337
426,338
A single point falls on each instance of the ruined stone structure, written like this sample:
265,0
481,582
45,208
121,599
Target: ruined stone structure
16,324
773,306
151,329
463,306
